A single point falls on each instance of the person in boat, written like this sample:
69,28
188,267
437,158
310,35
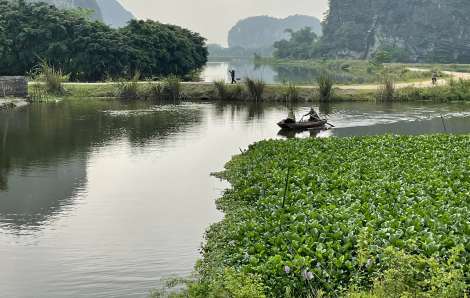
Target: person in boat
290,117
313,116
232,72
434,77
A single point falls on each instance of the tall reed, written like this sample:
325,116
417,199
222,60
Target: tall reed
129,89
222,90
325,86
173,87
289,91
51,76
386,90
156,89
255,87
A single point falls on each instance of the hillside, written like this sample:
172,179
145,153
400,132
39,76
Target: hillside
263,31
434,31
114,13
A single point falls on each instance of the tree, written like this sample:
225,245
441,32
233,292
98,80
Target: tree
381,57
164,49
298,47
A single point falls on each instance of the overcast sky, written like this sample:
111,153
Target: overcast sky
214,18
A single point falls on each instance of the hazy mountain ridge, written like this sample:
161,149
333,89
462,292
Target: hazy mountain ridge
263,31
356,29
74,4
114,13
110,12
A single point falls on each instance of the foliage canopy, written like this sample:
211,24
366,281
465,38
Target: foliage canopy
90,50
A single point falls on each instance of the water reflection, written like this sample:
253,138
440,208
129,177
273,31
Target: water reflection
44,150
106,197
274,74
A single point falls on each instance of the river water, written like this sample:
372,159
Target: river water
274,74
104,198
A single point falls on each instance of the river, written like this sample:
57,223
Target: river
104,198
274,74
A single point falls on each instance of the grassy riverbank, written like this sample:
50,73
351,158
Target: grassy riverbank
456,91
385,216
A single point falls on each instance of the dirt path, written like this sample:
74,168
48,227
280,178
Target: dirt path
456,75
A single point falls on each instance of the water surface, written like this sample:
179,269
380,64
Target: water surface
103,198
274,74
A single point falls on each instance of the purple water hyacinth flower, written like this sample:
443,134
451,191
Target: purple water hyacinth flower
232,242
304,274
318,265
369,263
310,273
287,269
247,256
437,261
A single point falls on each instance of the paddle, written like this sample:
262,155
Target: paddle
330,124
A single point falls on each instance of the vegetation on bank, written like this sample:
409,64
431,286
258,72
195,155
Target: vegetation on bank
92,51
385,216
369,71
172,88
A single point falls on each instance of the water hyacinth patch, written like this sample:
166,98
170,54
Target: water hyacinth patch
410,192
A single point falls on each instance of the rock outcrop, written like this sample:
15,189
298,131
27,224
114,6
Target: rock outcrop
264,31
355,29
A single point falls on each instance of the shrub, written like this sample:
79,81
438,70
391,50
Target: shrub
255,87
325,86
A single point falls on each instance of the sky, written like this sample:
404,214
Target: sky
214,18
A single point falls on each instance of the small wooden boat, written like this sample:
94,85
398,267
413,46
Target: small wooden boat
303,125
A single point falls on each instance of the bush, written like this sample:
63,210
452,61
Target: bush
325,86
255,87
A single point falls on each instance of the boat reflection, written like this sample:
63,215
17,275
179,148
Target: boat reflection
300,133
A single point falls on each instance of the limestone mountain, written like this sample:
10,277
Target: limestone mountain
114,13
264,31
436,30
73,4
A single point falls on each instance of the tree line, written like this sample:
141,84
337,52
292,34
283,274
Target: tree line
90,50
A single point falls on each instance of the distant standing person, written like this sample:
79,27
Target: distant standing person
232,72
434,78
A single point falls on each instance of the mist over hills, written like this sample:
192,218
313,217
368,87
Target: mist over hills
264,31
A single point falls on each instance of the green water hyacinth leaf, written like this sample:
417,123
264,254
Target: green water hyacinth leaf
410,192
